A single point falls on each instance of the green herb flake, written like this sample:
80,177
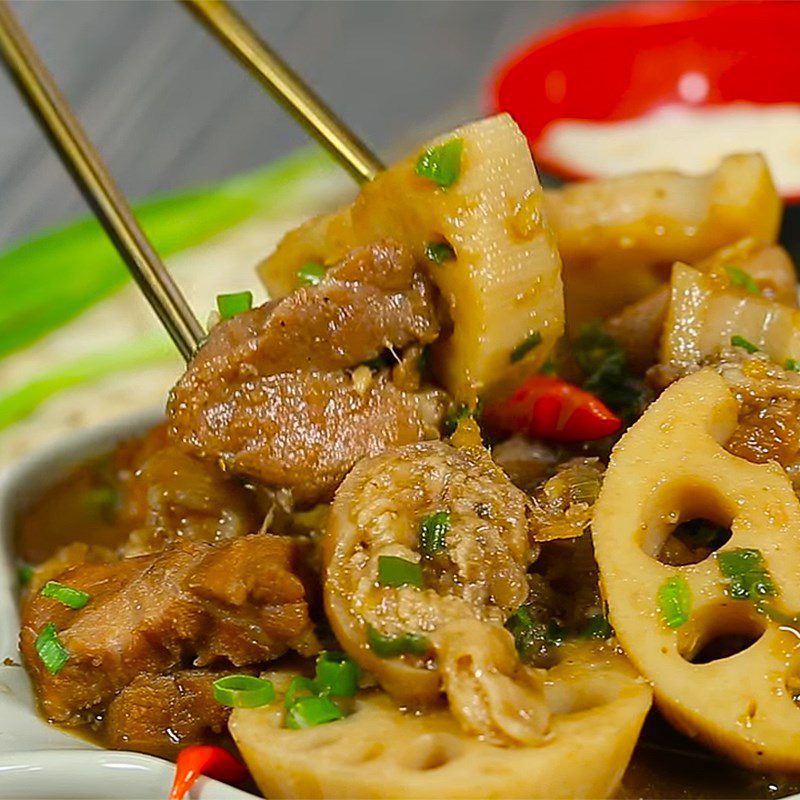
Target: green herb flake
790,365
50,650
393,646
299,687
441,163
596,627
439,252
308,712
229,305
607,374
529,343
66,595
740,341
742,280
747,575
433,533
674,601
395,572
337,674
458,413
310,274
24,574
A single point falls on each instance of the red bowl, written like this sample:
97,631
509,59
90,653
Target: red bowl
623,62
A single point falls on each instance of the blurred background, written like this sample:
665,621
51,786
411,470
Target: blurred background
168,108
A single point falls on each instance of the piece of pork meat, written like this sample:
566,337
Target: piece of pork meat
238,602
160,714
271,395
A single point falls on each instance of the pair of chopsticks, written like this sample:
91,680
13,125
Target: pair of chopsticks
92,177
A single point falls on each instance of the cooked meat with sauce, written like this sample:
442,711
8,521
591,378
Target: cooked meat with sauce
237,602
271,396
159,714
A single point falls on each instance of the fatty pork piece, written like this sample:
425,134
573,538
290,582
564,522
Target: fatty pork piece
272,395
238,602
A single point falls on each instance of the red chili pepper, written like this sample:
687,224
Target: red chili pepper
545,407
205,759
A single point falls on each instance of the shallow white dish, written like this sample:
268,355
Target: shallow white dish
36,759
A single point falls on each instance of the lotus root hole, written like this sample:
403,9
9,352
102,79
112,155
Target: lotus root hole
686,523
432,751
722,630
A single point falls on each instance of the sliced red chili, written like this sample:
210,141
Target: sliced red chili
545,407
205,759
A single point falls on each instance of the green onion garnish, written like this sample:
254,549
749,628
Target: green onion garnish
457,413
596,627
24,574
337,674
73,598
548,368
441,163
791,365
525,346
748,576
433,532
302,686
308,712
243,691
229,305
50,650
393,646
439,252
740,341
394,571
742,280
675,601
310,274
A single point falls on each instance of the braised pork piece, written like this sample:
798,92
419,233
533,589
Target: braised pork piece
273,394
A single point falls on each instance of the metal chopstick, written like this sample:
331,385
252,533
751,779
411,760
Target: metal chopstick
78,155
286,86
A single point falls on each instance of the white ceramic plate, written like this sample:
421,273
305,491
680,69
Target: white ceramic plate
36,759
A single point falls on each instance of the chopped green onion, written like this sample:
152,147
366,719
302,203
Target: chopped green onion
748,576
457,413
439,252
433,532
531,635
525,346
596,627
742,280
337,674
394,571
24,574
740,341
310,274
50,649
393,646
299,684
229,305
675,601
73,598
441,163
791,365
243,691
308,712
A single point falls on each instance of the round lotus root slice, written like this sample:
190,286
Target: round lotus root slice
717,638
380,751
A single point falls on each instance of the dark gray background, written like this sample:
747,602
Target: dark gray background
168,108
